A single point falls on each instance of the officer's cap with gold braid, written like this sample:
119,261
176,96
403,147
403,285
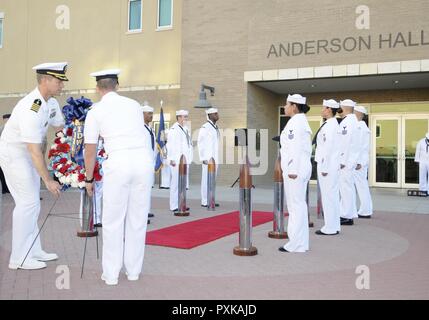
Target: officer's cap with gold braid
55,69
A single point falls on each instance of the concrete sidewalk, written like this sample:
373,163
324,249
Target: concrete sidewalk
393,245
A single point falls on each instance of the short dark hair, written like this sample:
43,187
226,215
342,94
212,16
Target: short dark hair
107,84
6,116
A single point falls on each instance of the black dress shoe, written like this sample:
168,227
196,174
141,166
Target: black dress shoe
164,188
319,232
364,217
175,210
204,206
151,215
217,205
98,225
346,222
148,221
283,249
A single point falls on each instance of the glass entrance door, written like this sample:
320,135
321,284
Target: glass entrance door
385,160
394,141
414,129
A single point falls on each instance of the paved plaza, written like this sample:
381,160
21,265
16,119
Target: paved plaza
392,246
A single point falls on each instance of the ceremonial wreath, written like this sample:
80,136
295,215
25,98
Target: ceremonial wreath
66,153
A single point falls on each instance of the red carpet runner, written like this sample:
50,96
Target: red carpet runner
191,234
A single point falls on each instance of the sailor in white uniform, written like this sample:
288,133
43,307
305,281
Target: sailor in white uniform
360,174
148,117
349,154
422,157
208,147
127,180
179,143
23,163
295,152
328,168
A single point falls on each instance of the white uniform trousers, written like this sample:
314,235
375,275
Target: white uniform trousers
297,228
204,183
174,186
329,189
127,187
347,194
423,176
362,188
98,201
24,185
165,177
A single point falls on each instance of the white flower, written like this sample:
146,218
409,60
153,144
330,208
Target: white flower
63,179
60,134
81,184
75,178
74,184
69,162
62,140
68,179
59,167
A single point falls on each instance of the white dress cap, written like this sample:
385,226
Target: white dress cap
347,103
105,74
331,103
147,108
296,98
182,113
361,109
211,110
55,69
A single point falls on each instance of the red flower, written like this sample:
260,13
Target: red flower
57,140
69,132
63,147
97,176
64,169
53,153
63,161
81,177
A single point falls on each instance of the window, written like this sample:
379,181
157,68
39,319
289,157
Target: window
1,29
134,15
165,14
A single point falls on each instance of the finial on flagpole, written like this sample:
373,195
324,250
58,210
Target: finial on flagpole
161,103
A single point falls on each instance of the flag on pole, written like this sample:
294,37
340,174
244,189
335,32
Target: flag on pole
160,143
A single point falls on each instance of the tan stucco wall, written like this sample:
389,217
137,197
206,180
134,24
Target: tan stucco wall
97,39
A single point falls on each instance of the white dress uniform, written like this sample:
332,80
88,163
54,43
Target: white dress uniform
165,174
208,147
28,124
295,152
326,157
150,133
127,181
422,157
361,176
179,142
349,153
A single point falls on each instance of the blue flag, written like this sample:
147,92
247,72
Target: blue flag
160,143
